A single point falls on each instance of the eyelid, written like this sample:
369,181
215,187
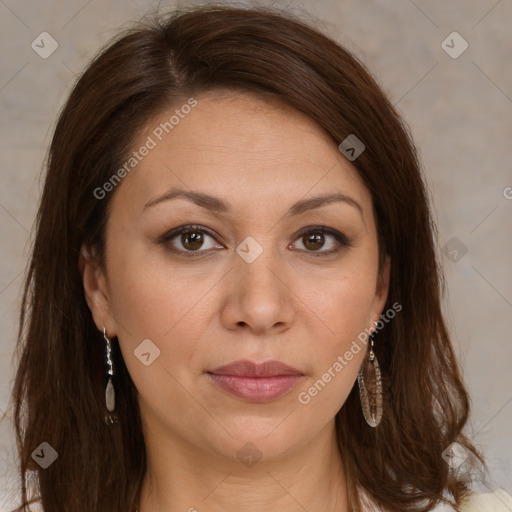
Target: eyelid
340,237
167,237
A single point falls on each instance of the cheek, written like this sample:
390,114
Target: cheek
156,300
343,305
149,292
342,299
336,359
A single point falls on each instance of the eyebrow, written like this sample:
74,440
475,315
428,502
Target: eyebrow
216,204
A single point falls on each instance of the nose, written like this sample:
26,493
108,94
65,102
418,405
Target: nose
259,295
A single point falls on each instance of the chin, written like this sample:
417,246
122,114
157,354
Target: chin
261,438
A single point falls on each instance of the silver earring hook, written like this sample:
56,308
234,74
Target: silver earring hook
110,395
108,344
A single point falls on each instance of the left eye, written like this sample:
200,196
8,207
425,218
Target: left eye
313,238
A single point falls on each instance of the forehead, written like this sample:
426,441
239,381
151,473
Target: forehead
239,146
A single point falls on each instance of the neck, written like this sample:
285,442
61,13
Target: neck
182,477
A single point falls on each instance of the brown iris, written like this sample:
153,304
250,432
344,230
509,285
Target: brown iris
192,239
313,241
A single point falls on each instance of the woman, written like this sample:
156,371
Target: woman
234,297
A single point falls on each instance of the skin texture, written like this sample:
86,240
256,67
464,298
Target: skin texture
206,311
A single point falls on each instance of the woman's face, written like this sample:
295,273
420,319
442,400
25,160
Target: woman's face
255,280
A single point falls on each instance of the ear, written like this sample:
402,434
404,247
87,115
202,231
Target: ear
381,291
96,291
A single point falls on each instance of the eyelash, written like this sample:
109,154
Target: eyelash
339,237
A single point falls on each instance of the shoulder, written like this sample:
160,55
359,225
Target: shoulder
443,507
498,501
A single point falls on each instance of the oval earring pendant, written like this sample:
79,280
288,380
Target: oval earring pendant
370,391
110,396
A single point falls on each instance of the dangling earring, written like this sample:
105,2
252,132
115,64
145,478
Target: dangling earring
110,395
370,388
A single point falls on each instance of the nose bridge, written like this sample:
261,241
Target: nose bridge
258,261
260,295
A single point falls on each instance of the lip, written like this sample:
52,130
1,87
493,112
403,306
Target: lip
256,382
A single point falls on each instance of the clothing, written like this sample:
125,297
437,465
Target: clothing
498,501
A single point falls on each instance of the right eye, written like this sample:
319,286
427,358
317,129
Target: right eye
192,239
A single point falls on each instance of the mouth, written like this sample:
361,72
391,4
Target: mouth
256,382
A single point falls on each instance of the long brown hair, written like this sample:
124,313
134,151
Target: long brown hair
58,393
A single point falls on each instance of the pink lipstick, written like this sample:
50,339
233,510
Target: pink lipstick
256,382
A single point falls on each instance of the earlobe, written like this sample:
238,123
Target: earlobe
95,290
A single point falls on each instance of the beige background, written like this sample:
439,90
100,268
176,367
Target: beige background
460,113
